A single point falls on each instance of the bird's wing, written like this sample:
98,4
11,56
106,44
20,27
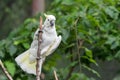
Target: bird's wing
52,47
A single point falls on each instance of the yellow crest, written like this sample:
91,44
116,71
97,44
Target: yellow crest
45,15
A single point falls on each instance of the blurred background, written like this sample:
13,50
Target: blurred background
90,47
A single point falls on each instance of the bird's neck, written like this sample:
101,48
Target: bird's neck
50,29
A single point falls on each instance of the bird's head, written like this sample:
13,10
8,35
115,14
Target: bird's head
50,20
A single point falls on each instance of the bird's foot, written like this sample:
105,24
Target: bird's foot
38,58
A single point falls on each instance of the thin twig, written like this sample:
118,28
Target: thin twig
56,78
72,60
77,45
39,51
72,67
5,71
70,71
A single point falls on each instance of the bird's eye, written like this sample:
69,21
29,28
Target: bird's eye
48,19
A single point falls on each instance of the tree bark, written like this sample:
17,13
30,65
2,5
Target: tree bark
5,71
38,72
38,6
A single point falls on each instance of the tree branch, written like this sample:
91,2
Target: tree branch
80,43
5,71
56,78
70,71
39,50
77,45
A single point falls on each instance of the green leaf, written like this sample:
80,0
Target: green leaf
93,61
26,45
73,63
18,41
110,58
117,55
115,45
70,45
68,2
10,67
112,12
65,35
12,49
29,20
90,59
88,53
92,70
2,54
79,76
110,40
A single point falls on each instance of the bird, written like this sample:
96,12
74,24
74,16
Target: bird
50,42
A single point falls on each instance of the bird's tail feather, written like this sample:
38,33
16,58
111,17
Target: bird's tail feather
24,62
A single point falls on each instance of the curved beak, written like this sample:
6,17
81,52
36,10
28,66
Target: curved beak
52,23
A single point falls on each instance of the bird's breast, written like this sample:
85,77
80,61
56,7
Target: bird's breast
47,39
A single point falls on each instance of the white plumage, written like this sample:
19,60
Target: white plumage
50,41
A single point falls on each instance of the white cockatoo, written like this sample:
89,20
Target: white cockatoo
50,41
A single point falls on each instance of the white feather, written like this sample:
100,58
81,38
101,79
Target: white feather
27,60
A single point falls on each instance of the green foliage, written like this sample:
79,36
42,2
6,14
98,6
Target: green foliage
92,70
11,67
12,14
17,42
77,76
93,23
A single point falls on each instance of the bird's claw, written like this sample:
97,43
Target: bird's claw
38,58
40,31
